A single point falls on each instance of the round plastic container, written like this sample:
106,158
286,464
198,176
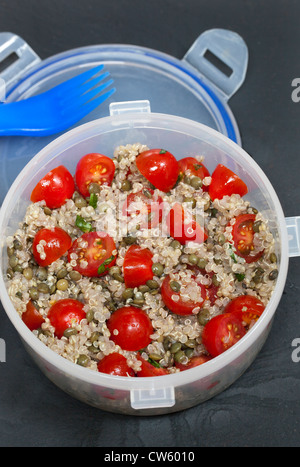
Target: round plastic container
192,87
163,394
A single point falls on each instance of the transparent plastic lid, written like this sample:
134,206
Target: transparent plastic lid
193,87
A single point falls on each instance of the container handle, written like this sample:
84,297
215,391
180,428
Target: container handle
293,230
16,58
221,56
152,398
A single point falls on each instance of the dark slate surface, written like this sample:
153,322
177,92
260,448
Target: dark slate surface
262,407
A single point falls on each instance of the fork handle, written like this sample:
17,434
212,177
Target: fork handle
16,119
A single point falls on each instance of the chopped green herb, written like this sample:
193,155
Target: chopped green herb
240,277
197,166
153,362
93,200
232,255
162,151
105,263
83,225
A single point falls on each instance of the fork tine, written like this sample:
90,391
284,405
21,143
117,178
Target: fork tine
77,91
85,98
77,80
86,108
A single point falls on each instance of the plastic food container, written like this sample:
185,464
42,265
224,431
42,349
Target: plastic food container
163,394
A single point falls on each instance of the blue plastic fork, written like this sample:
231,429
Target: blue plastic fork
59,108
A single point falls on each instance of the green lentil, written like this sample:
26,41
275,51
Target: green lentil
80,202
273,275
193,259
61,273
114,270
118,277
175,244
202,263
41,274
18,268
191,343
126,185
28,273
9,273
189,353
256,226
75,275
70,332
157,269
175,286
155,356
175,347
139,302
215,280
18,244
128,293
94,188
203,316
221,239
83,360
190,200
13,261
43,288
179,356
62,284
33,293
90,316
152,284
47,211
144,288
129,240
94,337
196,183
10,251
273,258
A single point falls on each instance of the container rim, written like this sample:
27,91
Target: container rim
177,379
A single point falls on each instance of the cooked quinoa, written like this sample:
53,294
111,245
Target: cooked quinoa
90,340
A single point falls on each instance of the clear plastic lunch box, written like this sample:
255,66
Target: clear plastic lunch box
136,121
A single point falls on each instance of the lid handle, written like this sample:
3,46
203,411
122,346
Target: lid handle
16,57
117,108
152,398
293,229
221,56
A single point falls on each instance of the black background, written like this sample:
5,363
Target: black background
262,407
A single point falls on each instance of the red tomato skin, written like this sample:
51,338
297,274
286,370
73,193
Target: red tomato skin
194,361
159,167
90,254
133,327
31,317
93,168
179,307
54,188
196,168
65,313
137,266
57,241
221,333
115,364
184,232
247,307
225,182
148,370
150,206
239,221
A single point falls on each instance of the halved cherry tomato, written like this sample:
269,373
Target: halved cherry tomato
243,235
146,203
247,307
49,245
93,168
130,328
137,266
195,167
64,314
194,361
175,303
225,182
222,332
115,364
148,370
54,188
31,317
159,167
94,251
182,230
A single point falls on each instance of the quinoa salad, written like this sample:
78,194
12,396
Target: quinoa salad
141,297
